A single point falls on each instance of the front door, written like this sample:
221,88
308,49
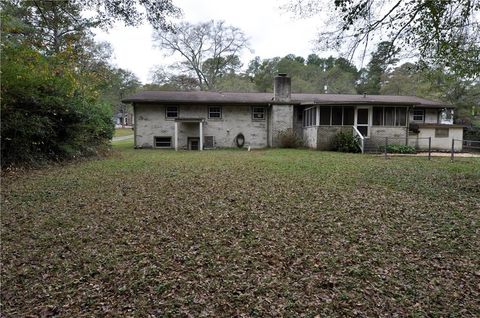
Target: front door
363,120
193,143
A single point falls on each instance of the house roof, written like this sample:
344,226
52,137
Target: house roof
202,97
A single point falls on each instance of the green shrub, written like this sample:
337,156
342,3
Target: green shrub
346,142
471,133
399,149
48,110
289,139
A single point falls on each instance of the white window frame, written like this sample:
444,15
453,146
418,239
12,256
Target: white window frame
422,115
446,116
162,147
256,112
169,111
220,112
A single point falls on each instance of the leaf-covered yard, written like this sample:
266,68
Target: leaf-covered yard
248,234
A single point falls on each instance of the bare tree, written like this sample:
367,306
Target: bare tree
168,80
208,49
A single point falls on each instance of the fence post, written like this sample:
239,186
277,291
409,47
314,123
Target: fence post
429,148
386,145
453,149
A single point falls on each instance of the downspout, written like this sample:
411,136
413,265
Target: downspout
134,126
269,125
407,133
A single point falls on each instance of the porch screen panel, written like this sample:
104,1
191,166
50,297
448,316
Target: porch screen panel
310,116
348,116
378,116
389,116
325,112
401,116
336,115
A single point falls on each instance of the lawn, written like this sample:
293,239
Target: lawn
149,233
121,132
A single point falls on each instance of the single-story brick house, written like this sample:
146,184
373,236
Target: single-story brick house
203,120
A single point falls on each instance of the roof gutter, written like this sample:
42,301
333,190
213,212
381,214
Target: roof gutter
225,103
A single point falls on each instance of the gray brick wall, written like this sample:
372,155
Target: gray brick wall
151,121
281,120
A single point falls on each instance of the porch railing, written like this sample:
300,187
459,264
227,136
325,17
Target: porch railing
360,136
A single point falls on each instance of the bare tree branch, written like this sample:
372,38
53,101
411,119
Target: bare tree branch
208,49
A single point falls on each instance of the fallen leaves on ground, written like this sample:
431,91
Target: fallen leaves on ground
247,234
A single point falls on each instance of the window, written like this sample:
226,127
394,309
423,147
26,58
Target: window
325,113
208,142
171,112
418,115
378,116
441,132
348,116
214,112
337,116
258,113
400,116
446,116
310,116
389,116
163,142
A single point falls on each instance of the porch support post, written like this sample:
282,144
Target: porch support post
176,136
201,136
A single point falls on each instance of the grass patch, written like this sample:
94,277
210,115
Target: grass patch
230,233
121,132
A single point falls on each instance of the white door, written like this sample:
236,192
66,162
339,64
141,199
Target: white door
362,120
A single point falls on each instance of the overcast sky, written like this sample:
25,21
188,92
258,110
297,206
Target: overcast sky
272,32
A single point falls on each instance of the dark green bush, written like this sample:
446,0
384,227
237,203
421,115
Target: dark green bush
289,139
48,112
471,133
414,128
346,142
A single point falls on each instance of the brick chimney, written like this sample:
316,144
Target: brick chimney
282,88
281,113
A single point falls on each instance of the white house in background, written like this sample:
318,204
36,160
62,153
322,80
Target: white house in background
123,119
204,120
